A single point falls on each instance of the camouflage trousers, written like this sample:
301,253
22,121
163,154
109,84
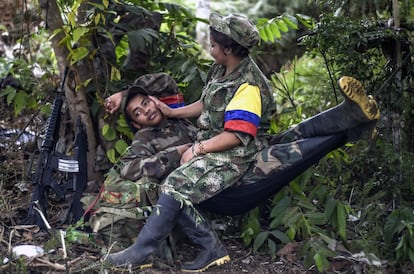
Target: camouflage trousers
273,158
116,217
201,178
204,177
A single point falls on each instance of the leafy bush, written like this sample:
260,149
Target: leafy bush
346,197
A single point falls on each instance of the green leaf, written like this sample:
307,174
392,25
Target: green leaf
318,261
306,204
71,17
10,92
341,216
281,206
247,235
279,211
108,132
115,74
307,21
138,39
393,226
78,54
7,90
122,48
281,25
276,222
269,33
315,218
291,21
291,217
251,226
330,208
295,188
332,243
280,236
272,248
20,102
291,233
260,239
122,122
411,255
121,146
263,35
321,262
400,243
111,155
78,33
275,31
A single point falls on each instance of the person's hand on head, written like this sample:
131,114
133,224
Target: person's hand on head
164,108
113,102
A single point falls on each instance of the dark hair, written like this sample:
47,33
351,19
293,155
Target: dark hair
226,42
133,92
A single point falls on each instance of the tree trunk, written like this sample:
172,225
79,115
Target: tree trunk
396,129
75,98
203,11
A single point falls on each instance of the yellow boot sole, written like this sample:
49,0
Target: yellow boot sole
217,262
355,91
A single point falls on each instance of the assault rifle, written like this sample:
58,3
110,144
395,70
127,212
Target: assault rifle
56,173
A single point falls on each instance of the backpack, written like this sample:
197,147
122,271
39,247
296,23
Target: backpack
162,86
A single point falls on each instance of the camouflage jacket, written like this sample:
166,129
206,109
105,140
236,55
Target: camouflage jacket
152,152
220,92
150,158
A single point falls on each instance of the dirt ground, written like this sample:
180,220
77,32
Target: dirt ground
86,259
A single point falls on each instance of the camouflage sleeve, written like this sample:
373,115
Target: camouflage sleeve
143,160
190,129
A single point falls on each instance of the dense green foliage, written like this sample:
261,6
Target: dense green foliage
358,197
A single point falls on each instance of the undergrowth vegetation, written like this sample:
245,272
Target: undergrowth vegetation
358,200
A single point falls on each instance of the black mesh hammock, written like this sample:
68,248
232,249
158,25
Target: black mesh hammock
237,200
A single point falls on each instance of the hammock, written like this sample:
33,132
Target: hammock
237,200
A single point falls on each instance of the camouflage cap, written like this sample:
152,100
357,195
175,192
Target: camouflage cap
158,84
236,26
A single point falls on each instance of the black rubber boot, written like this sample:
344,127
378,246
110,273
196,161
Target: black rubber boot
201,233
154,232
358,111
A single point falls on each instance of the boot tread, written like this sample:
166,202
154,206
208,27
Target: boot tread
355,91
219,261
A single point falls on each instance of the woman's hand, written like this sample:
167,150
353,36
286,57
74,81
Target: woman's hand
187,155
163,107
113,102
183,148
188,111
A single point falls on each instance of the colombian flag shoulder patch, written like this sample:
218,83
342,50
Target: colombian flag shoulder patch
243,113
